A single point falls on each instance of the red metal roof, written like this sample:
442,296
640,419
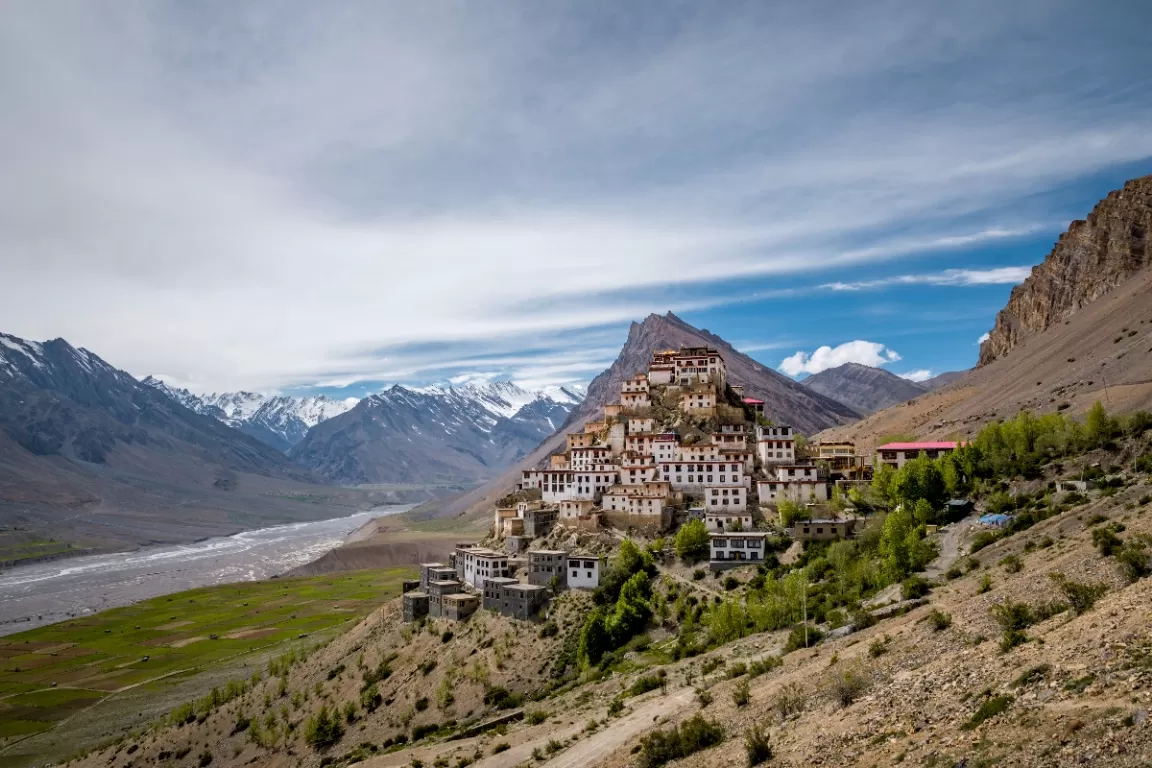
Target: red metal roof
753,401
917,446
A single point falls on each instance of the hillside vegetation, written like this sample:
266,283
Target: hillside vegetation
1039,628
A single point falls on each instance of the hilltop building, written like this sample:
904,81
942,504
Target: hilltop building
896,455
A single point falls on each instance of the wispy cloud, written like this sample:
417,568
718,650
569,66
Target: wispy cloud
961,277
859,351
275,195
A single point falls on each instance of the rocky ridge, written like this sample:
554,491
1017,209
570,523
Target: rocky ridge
864,388
1089,260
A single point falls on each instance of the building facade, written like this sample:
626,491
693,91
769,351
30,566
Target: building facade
729,550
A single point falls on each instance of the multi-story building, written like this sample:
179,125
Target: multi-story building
696,476
430,572
698,399
776,445
474,564
459,606
539,521
728,550
726,498
637,469
799,491
635,400
699,452
576,508
666,447
583,458
730,441
589,484
437,591
641,425
544,564
415,605
584,571
702,364
896,455
638,383
583,439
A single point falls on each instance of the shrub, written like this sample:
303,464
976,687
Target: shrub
742,695
848,683
757,746
914,587
1012,564
802,636
1134,561
703,697
205,759
1106,540
730,583
323,729
953,573
691,736
501,698
446,636
985,585
427,666
698,574
501,747
536,716
421,731
1096,519
1033,675
990,708
1081,597
939,621
370,698
1013,618
615,707
711,665
692,540
421,704
789,700
762,666
648,683
985,539
735,670
879,646
549,629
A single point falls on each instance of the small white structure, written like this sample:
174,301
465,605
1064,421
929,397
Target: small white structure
696,476
728,550
638,383
641,425
800,491
584,571
666,447
701,399
576,508
635,400
720,521
791,472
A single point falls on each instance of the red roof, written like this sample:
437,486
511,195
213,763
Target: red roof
917,446
753,401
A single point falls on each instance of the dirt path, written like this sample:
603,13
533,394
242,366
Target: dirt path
950,545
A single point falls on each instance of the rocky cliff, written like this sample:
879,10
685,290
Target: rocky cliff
1089,260
862,387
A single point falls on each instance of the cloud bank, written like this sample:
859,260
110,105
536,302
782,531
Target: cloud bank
862,352
286,194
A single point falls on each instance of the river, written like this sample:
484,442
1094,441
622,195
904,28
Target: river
44,593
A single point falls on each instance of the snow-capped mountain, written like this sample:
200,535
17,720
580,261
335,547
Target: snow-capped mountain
279,421
435,434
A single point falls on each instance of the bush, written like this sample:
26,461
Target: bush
698,574
205,759
990,708
536,716
1012,564
985,539
501,747
1106,540
502,698
421,704
1013,618
879,646
790,699
648,683
742,695
757,746
370,698
711,665
802,637
730,583
985,585
703,697
444,638
549,629
427,666
615,707
763,666
692,540
1081,597
691,736
735,670
1134,561
848,683
323,729
914,587
939,621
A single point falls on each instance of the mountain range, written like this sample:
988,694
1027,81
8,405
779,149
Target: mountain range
463,434
864,388
280,421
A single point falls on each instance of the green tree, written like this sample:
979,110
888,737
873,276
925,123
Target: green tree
790,512
894,539
692,540
594,639
1098,427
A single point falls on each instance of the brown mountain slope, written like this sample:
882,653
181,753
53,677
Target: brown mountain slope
1102,352
785,401
862,387
1088,261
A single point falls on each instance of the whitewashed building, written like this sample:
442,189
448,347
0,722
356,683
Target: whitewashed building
584,571
731,497
719,521
475,564
729,550
695,476
776,445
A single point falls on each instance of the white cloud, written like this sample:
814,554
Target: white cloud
863,352
983,337
244,196
962,277
920,375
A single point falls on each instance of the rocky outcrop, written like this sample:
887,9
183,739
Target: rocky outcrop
1089,260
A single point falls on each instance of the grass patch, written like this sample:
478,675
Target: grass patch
990,708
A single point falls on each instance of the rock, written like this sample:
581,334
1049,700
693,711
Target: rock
1089,260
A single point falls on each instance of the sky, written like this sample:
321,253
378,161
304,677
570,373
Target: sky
332,197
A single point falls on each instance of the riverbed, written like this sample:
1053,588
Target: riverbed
44,593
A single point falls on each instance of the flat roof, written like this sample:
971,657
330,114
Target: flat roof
926,446
527,587
446,582
484,551
501,580
423,595
738,535
461,596
547,552
433,565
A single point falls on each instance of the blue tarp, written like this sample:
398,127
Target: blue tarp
995,521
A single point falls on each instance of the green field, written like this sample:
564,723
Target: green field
21,545
52,673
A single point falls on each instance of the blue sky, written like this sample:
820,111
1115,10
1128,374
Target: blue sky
292,196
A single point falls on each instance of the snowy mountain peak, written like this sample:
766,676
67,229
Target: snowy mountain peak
502,399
